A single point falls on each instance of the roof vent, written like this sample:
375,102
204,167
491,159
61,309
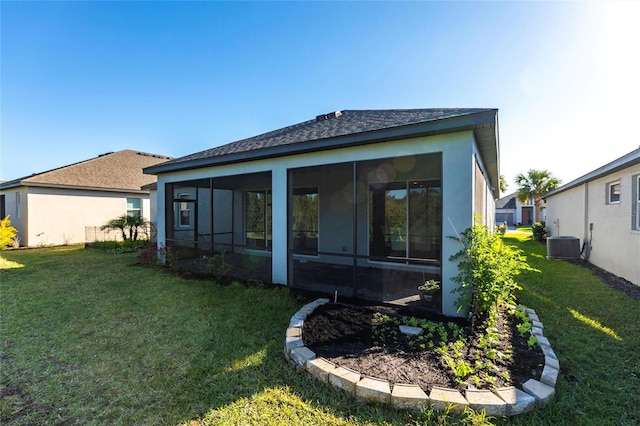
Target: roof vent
328,116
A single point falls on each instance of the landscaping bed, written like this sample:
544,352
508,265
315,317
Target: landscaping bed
368,340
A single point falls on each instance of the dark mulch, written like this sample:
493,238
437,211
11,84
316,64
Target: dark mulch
343,334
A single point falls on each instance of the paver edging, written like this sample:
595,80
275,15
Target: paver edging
516,401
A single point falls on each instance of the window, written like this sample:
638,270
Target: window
134,207
184,212
18,205
258,220
405,220
613,193
305,221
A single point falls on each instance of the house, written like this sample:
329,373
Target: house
509,209
55,207
354,204
602,209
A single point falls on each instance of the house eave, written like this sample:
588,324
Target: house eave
73,187
621,163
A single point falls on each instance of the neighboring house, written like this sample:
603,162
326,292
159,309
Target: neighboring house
602,208
55,206
349,204
509,209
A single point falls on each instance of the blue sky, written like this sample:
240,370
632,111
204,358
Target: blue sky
79,79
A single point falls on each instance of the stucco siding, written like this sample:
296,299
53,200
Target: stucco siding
457,150
59,216
585,212
565,214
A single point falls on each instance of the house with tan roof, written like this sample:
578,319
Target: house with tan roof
350,204
57,206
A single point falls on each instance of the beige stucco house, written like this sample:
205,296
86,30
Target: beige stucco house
58,206
351,204
602,209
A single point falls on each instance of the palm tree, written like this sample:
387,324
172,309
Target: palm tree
131,226
533,186
503,184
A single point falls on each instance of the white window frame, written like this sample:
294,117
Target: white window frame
610,188
183,206
134,210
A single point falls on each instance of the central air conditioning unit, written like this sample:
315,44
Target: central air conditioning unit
563,247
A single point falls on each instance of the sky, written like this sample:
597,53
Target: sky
79,79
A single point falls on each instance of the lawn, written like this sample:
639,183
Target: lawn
87,337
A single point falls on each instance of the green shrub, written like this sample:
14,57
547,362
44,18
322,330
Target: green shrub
7,233
539,230
487,274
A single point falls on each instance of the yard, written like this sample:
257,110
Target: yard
88,337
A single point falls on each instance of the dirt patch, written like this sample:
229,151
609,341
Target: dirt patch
343,334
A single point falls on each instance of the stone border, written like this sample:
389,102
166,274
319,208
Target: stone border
506,401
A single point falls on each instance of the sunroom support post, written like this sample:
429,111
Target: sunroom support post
279,220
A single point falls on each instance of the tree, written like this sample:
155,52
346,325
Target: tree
503,184
130,226
533,186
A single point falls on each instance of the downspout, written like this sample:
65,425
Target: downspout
588,227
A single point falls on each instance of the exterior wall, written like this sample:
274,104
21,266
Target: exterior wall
59,216
17,212
615,244
457,152
566,214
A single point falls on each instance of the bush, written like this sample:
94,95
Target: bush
487,272
7,233
539,230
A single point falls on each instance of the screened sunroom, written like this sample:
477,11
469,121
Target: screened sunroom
362,215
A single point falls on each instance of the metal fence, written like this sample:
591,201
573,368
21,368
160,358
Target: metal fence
93,234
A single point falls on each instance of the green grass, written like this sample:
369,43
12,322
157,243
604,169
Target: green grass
595,332
87,338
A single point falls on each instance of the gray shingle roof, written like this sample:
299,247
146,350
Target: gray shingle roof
507,202
349,127
115,171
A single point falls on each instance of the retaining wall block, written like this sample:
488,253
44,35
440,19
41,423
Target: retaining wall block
552,362
441,398
549,375
373,390
319,368
344,378
300,356
517,401
540,391
409,396
296,321
486,400
294,332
